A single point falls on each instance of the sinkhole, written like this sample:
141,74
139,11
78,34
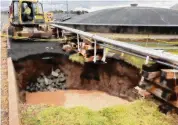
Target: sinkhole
49,73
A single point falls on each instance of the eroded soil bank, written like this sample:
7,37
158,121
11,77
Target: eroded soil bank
115,77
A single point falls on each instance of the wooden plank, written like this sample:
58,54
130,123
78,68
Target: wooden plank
154,77
169,74
153,89
151,75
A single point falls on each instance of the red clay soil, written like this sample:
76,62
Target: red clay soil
95,100
4,83
115,77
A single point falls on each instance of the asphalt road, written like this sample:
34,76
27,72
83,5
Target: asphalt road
4,20
22,49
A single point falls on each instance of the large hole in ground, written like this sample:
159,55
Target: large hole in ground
42,74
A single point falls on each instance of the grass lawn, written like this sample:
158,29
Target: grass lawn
77,58
138,62
140,112
133,60
173,51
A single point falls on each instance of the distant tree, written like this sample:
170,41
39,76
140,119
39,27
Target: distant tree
4,12
78,12
175,7
57,11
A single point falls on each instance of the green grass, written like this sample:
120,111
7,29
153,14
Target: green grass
168,41
173,51
138,62
137,113
77,58
133,60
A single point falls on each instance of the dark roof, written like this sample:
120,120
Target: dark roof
129,16
63,16
175,7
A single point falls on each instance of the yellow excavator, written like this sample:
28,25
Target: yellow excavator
27,20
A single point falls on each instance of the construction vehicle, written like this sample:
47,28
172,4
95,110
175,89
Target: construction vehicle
49,17
35,26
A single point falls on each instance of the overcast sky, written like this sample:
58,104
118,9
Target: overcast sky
93,5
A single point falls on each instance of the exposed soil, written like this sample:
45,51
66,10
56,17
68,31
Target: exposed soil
4,82
95,100
115,77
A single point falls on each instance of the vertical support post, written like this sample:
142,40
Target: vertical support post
57,32
175,83
147,40
67,8
146,62
122,54
94,51
78,42
62,33
104,55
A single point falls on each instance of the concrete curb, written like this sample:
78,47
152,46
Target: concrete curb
13,95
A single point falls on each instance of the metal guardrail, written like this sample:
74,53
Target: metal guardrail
155,55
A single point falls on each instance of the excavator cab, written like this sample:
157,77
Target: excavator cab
27,21
18,12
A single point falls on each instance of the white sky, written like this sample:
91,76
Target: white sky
93,5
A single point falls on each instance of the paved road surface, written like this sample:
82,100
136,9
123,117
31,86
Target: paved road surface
22,49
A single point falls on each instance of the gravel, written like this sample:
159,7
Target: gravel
56,80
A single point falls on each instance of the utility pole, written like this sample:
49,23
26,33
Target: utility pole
67,8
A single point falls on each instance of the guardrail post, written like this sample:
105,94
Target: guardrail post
104,55
175,77
78,42
62,33
57,32
147,60
122,54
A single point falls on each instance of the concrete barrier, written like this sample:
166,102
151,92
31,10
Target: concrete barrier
14,118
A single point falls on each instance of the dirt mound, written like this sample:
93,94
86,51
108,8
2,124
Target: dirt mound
115,77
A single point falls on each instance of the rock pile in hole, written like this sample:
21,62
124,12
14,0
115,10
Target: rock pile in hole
56,80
